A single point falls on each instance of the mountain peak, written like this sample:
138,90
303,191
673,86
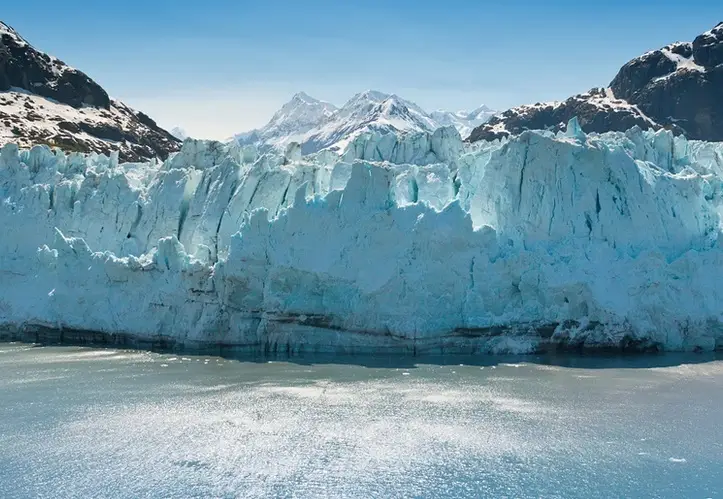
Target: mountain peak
373,96
179,133
6,29
678,87
32,70
392,105
317,124
305,98
45,101
300,114
483,108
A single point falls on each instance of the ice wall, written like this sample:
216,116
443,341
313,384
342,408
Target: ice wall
412,243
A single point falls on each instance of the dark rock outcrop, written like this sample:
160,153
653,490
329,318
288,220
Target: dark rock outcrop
597,111
48,102
678,87
22,66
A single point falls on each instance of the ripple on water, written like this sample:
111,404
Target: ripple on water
270,430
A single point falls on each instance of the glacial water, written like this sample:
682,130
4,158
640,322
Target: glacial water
77,422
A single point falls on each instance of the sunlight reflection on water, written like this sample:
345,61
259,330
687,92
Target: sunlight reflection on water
109,423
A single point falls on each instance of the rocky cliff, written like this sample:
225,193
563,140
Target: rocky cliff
45,101
678,87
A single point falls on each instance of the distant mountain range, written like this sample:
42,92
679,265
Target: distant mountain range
179,133
678,87
45,101
319,125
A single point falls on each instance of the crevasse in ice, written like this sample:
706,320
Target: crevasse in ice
411,243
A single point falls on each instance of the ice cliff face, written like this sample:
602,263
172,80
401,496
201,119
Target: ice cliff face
403,243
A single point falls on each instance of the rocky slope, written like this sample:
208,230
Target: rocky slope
678,87
45,101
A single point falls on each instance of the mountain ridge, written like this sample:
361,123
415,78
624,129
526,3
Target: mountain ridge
45,101
678,87
316,124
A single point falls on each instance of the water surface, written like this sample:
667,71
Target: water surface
78,422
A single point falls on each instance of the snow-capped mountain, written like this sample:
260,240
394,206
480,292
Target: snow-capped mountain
464,121
45,101
319,125
289,124
369,111
678,87
179,133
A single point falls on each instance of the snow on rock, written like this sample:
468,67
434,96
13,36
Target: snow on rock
678,87
598,110
410,243
45,101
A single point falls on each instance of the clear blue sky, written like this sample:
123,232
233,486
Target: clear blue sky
216,67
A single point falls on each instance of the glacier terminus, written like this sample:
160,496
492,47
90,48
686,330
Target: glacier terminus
400,242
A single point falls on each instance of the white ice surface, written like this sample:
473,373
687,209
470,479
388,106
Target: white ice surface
409,242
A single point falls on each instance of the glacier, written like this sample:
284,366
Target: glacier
412,243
